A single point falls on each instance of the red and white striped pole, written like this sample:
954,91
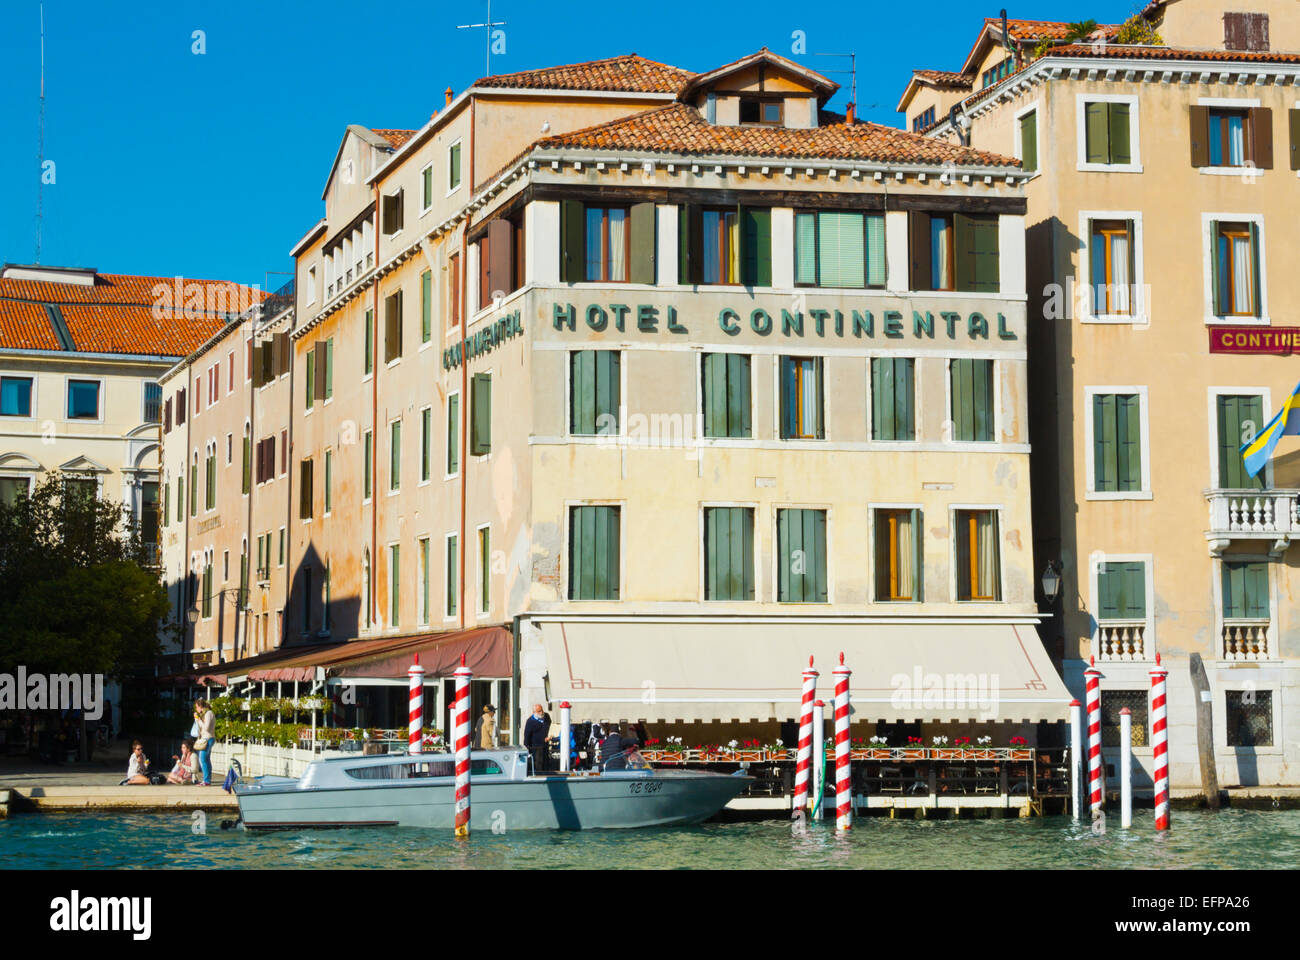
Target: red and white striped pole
415,730
1160,744
460,737
804,753
1092,694
843,771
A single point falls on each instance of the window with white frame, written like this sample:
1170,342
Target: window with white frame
1235,289
1121,591
1112,265
1117,443
1107,133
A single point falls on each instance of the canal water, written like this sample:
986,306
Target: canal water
1199,839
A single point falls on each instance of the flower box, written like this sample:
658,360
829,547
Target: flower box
907,753
1018,753
983,753
748,756
777,755
946,753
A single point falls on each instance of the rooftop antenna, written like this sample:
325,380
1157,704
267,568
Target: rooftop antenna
487,56
40,148
852,71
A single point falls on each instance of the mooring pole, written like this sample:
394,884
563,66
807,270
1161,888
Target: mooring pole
843,767
460,731
819,759
804,754
1076,755
415,725
1126,768
1160,746
565,735
1096,779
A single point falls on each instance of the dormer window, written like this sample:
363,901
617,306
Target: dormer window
767,112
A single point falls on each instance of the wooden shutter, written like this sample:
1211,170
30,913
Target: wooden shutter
481,414
259,468
729,553
918,244
594,553
1245,590
642,267
975,240
1261,137
453,433
1117,118
167,416
277,354
1103,443
501,265
1128,442
393,326
608,391
892,399
1234,31
802,536
317,360
756,246
1029,141
726,395
1199,126
1231,414
573,241
426,306
582,392
1293,125
1256,304
1216,294
1097,133
304,491
690,240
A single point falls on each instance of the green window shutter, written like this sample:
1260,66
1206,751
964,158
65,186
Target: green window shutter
426,443
893,396
1128,442
975,241
247,464
481,414
426,306
738,395
1097,131
982,390
608,392
805,248
453,433
329,480
801,548
573,241
395,577
329,368
1232,413
594,553
1217,274
715,394
311,378
1254,269
370,341
1121,589
972,400
1245,590
395,455
728,553
194,490
1104,455
453,167
962,413
1029,141
1118,123
841,249
368,466
642,267
756,246
875,224
594,392
690,242
453,572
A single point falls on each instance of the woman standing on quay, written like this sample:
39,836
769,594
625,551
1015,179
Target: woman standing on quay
207,722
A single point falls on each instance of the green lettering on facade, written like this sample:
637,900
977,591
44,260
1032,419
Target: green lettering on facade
839,324
563,315
950,317
893,324
819,318
864,323
977,326
1003,332
673,325
620,312
760,321
790,322
923,324
597,319
647,318
729,321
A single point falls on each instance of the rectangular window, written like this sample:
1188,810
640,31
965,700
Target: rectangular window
835,248
453,577
801,399
1000,71
453,434
329,481
1245,590
1029,141
11,488
480,408
1245,31
484,569
392,326
594,553
370,341
280,561
325,600
1112,702
954,251
1121,591
180,499
594,392
898,555
720,246
801,556
426,180
426,443
304,490
153,396
328,352
972,400
728,553
1117,442
394,585
923,120
726,395
453,166
608,244
765,112
368,445
978,565
16,397
1107,133
246,472
426,306
210,485
424,580
453,290
392,212
1227,136
207,591
284,452
1239,421
1235,266
893,398
1249,718
1111,257
395,455
310,379
194,487
83,399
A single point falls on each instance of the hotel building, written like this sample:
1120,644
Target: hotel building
1162,157
638,387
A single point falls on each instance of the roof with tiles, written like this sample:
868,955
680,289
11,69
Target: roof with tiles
395,138
1045,29
119,313
679,129
628,73
945,78
1147,52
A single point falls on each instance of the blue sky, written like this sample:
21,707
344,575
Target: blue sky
211,166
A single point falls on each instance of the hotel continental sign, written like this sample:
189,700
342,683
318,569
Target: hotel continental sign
638,387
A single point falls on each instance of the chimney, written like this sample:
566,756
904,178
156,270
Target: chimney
849,114
447,93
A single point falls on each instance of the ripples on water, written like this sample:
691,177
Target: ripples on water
1199,839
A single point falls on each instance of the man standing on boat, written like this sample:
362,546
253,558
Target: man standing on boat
536,732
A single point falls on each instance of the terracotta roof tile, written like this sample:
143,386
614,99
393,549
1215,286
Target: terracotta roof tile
944,78
395,137
1145,52
107,288
679,129
129,329
623,74
1045,29
25,326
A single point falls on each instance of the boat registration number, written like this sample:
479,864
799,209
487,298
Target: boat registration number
645,786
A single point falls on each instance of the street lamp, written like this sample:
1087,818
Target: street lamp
1051,581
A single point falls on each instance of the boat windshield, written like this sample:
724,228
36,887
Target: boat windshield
408,769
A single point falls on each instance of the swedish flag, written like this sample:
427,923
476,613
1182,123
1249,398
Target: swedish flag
1287,421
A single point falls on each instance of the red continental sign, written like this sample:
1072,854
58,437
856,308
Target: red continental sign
1281,341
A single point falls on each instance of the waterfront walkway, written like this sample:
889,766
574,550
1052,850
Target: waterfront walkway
25,785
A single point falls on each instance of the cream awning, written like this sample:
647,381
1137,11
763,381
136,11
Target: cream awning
935,671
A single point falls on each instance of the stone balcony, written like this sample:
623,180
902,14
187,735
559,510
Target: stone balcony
1269,515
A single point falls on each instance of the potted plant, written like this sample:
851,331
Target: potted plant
983,750
1020,749
749,751
776,751
673,751
915,749
940,750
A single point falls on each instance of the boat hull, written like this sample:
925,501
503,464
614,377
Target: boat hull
613,801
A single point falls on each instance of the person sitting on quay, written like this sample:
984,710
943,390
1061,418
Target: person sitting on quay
137,767
186,764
